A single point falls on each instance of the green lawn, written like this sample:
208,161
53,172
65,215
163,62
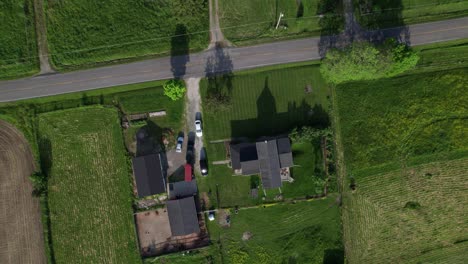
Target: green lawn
18,51
382,13
306,232
308,174
87,32
89,194
393,120
250,21
265,102
268,102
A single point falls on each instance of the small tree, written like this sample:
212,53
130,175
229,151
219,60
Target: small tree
174,89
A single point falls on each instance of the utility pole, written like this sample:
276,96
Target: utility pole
279,19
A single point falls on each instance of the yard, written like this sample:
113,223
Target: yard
86,33
381,13
89,188
266,102
249,21
18,49
305,232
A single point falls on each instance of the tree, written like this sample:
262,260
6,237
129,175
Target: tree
364,61
174,89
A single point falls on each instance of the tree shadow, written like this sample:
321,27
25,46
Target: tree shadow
333,256
148,139
271,123
342,23
180,51
218,71
45,155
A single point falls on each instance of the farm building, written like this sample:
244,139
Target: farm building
149,175
182,189
183,216
269,158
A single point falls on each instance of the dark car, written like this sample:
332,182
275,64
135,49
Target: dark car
204,167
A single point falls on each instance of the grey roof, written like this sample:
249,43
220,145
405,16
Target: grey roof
284,145
242,152
149,176
286,160
183,216
269,164
182,189
250,167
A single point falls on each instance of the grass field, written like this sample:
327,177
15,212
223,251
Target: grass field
90,197
382,13
18,51
306,232
381,225
269,102
250,21
87,32
402,118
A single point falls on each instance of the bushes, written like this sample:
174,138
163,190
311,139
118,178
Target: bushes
174,89
364,61
308,134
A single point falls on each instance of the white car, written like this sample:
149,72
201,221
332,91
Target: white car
180,141
198,128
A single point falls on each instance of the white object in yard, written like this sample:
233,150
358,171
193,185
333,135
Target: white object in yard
279,19
159,113
211,216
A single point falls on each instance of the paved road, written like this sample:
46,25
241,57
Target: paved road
215,60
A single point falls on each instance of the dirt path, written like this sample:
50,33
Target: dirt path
41,35
21,235
216,35
193,106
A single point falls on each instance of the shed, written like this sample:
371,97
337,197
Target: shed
149,175
183,216
182,189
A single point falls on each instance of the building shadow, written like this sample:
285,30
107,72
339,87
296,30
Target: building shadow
271,123
218,72
180,51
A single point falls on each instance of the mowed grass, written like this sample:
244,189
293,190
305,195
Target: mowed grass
382,13
394,120
267,103
250,21
306,232
380,227
90,197
18,51
87,32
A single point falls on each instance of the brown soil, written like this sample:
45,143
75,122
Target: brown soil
21,235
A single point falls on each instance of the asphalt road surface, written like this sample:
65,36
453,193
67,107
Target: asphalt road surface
215,60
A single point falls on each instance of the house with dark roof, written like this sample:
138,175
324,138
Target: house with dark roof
183,217
149,175
267,158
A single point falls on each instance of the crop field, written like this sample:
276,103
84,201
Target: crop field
381,13
305,232
90,196
18,51
268,103
384,124
412,215
87,32
250,21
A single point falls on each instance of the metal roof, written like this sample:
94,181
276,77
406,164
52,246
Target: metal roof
183,217
149,175
269,164
182,189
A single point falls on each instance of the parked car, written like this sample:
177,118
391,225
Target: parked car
203,167
198,128
180,141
